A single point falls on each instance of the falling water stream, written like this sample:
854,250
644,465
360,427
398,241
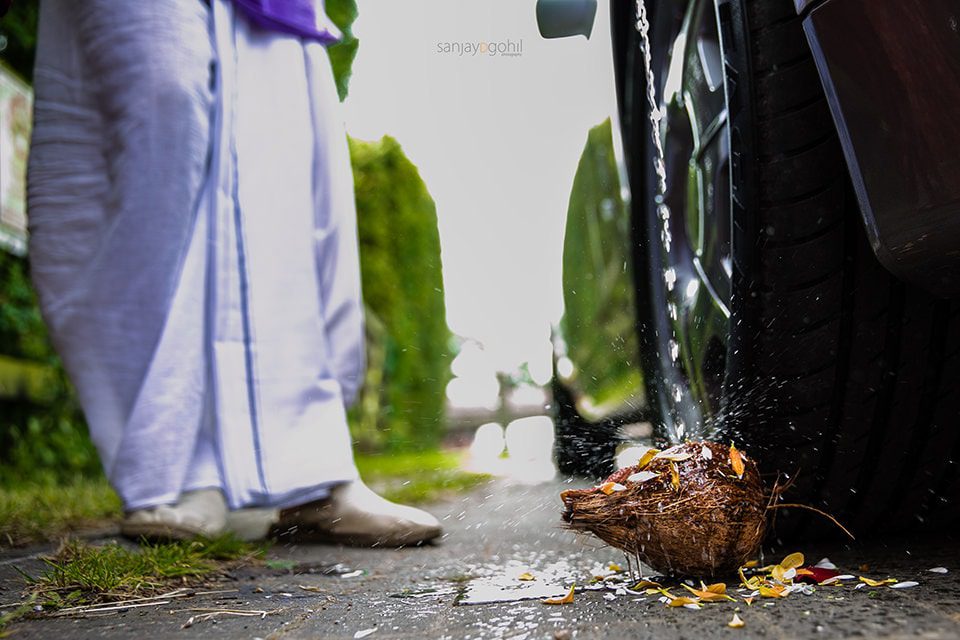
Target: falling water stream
677,430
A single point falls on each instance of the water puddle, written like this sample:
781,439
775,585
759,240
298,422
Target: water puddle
518,581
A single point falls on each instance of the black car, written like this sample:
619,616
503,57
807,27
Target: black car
794,286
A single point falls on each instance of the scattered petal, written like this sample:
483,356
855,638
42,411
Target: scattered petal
674,457
613,566
706,453
674,476
792,561
645,584
647,457
904,585
567,599
750,564
609,596
736,622
643,476
736,461
718,587
612,487
825,564
526,576
939,570
840,578
749,600
815,574
364,633
708,596
682,601
876,583
777,591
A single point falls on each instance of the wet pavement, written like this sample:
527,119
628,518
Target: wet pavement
495,535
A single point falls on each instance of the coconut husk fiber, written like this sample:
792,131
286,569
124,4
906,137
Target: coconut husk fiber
696,509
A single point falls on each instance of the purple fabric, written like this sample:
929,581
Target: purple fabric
296,17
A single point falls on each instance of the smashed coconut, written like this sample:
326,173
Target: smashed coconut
696,509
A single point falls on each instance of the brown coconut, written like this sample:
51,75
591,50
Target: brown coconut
691,510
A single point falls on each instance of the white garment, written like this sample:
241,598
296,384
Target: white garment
193,241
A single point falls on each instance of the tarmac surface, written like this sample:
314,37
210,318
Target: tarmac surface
493,536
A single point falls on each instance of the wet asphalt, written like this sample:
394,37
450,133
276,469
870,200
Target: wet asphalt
494,535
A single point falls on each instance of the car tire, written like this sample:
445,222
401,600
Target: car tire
841,379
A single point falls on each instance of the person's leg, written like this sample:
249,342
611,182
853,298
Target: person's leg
289,339
120,148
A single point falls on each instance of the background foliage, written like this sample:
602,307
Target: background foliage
598,308
402,403
408,368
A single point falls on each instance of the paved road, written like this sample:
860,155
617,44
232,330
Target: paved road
495,534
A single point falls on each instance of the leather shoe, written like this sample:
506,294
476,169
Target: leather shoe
353,514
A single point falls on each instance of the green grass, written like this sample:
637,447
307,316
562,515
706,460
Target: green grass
84,573
417,477
81,574
45,512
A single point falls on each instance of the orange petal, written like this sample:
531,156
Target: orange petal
681,601
771,592
674,476
611,487
526,576
737,461
567,599
707,596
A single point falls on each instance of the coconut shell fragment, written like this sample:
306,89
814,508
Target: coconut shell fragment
696,509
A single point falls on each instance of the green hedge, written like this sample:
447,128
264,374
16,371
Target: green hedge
409,352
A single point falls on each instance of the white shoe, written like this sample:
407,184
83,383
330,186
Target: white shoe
252,524
355,515
198,513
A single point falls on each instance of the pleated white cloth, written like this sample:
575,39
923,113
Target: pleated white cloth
193,242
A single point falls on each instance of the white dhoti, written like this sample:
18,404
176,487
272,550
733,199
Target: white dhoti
193,241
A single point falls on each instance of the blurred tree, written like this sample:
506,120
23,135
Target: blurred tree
599,313
409,355
18,37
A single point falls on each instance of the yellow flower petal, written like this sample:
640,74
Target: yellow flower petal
645,584
792,561
736,460
681,601
646,458
877,583
567,599
526,576
707,596
768,591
